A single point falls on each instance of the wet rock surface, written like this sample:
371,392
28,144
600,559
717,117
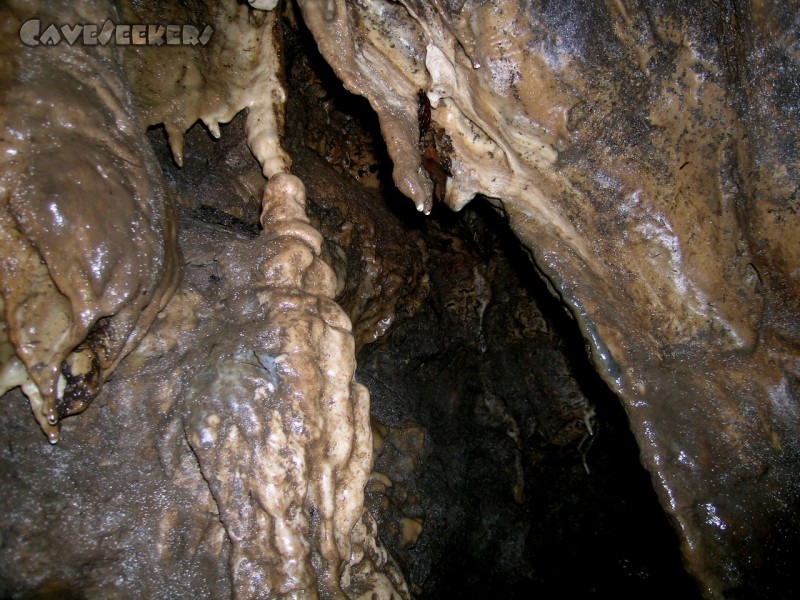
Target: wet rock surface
480,426
632,153
502,465
79,284
142,513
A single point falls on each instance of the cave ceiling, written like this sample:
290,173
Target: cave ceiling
644,155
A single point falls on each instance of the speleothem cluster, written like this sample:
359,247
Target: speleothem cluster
644,154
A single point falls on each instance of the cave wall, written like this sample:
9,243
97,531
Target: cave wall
621,140
643,153
265,397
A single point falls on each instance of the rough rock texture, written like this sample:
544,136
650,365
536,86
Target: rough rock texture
644,153
148,512
132,516
284,443
217,472
624,143
517,480
380,263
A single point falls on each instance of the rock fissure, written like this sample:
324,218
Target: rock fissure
646,163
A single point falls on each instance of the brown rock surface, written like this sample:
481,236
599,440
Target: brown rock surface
643,153
635,155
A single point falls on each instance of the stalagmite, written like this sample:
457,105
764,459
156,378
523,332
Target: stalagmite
281,430
279,427
644,154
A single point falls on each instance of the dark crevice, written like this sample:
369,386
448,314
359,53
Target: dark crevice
451,387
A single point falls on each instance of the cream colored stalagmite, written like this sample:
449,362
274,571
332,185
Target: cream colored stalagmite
270,408
282,430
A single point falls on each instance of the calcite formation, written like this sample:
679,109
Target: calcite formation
88,235
239,69
644,153
254,415
279,428
655,189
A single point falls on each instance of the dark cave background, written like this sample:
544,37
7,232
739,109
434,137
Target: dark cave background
587,521
504,465
482,391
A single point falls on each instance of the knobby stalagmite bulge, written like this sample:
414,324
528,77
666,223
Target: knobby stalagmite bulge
280,429
643,153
